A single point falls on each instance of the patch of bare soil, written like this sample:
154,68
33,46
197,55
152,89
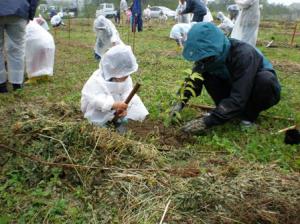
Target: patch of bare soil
170,53
286,66
169,136
74,43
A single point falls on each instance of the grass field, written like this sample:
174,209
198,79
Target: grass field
229,175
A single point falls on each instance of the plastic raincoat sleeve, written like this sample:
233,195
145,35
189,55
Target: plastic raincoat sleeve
93,97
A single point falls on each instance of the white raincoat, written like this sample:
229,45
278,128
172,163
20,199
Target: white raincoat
42,22
247,23
123,5
39,51
99,93
233,11
226,24
107,35
179,31
208,17
56,20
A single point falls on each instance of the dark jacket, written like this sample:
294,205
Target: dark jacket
195,6
22,8
235,62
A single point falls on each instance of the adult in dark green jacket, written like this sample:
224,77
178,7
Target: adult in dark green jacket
14,15
240,80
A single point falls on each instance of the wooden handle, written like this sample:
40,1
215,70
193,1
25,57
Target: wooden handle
129,98
132,93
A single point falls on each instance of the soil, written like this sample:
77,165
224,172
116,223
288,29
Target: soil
169,136
286,66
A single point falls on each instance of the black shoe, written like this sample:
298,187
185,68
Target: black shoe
292,137
17,86
3,88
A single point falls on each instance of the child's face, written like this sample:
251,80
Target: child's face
122,79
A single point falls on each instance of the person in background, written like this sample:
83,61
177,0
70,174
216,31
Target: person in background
247,24
123,6
136,17
147,13
197,7
233,11
56,20
14,15
226,24
208,17
42,22
52,13
117,17
240,80
182,18
103,95
39,52
179,33
106,36
123,9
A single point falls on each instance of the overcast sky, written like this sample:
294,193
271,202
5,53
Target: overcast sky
285,2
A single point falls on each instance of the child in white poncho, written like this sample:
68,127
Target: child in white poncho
39,52
103,95
107,36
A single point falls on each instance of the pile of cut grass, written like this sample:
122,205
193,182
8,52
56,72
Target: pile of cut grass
129,181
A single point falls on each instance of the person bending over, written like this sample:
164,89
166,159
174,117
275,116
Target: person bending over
240,80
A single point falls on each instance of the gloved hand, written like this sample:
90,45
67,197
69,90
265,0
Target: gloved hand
177,107
196,126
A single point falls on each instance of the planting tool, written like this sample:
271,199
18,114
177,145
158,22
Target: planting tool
129,98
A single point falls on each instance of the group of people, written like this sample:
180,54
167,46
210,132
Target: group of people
242,23
240,80
14,16
27,42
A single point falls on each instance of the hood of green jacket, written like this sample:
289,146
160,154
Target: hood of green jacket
206,40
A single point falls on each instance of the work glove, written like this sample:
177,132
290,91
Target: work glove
196,126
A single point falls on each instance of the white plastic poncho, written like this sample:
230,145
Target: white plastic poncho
99,93
185,18
42,22
107,35
247,23
147,13
56,20
123,5
208,17
226,24
233,12
179,31
39,51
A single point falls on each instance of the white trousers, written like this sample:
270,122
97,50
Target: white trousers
12,40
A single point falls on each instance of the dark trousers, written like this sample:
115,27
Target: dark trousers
198,17
265,92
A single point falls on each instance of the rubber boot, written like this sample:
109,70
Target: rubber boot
17,86
3,88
